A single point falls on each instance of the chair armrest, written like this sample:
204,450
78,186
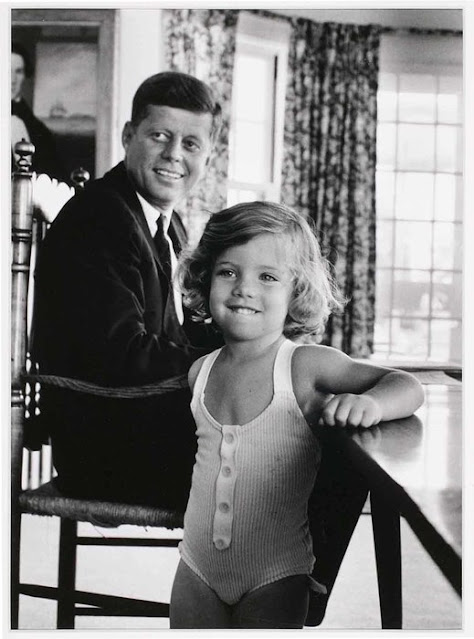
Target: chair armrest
120,392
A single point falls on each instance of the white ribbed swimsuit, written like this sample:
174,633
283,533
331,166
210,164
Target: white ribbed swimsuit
246,521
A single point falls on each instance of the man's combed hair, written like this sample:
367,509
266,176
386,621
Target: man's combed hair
315,294
177,90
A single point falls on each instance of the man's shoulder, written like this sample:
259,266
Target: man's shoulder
113,190
101,205
114,183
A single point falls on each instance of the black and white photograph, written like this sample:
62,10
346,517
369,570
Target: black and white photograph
234,256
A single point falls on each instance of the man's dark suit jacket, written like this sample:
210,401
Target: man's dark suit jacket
103,313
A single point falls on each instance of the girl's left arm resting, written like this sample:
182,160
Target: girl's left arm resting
364,395
397,393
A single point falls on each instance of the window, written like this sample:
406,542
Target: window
419,207
256,131
418,180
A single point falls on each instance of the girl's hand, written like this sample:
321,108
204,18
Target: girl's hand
352,410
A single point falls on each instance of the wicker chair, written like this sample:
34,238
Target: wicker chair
46,500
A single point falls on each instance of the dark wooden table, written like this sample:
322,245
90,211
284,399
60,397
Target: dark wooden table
413,468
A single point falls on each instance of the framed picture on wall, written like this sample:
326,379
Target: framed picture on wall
66,100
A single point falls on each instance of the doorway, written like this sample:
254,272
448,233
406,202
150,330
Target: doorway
70,89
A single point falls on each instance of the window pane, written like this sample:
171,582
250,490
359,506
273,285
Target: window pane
383,295
458,246
386,139
446,148
236,196
382,337
417,100
416,147
414,196
251,79
384,189
384,232
410,338
251,153
459,198
450,99
387,97
386,106
445,196
445,336
447,295
448,108
413,244
445,246
411,293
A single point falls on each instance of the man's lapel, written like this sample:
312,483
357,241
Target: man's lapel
118,176
177,232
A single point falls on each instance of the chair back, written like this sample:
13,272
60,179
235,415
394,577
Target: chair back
30,196
22,225
35,202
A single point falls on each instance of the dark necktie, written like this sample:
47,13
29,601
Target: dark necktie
163,248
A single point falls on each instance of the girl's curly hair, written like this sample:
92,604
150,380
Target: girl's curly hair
315,294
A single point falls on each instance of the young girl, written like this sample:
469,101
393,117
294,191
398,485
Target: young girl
246,554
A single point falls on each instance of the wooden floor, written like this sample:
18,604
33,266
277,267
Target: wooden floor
429,602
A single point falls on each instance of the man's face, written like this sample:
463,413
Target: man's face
18,74
166,153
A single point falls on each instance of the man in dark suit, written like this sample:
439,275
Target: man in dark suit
106,309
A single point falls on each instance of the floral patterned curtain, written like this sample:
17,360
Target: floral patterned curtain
202,42
329,163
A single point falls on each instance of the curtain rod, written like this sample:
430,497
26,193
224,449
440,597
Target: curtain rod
422,31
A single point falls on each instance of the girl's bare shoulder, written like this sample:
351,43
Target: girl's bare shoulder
314,366
315,357
306,365
308,378
194,371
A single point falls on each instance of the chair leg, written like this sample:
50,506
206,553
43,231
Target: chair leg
16,444
15,567
67,574
386,531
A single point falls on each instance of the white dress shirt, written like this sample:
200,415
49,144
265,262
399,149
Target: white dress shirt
151,215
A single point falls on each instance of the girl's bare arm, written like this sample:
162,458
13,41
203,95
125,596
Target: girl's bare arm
358,393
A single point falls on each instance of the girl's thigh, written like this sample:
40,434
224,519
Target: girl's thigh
195,605
281,604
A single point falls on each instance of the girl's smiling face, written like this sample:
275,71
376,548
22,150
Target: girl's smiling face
251,288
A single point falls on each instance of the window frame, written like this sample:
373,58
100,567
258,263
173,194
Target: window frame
268,37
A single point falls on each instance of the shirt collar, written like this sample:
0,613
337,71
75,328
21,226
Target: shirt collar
152,214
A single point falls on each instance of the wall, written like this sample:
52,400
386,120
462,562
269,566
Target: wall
139,54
